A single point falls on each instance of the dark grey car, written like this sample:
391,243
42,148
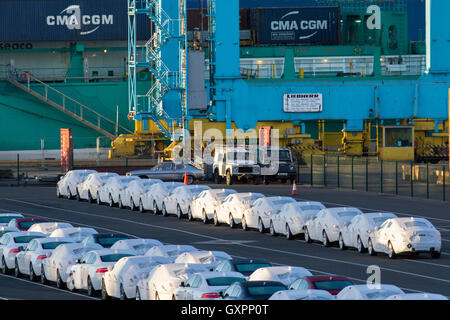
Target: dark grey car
170,171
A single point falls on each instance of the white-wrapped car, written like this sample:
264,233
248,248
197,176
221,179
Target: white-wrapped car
356,234
206,285
283,274
417,296
11,244
29,261
163,280
171,251
309,294
48,227
292,216
76,234
179,200
405,235
232,208
130,195
206,202
121,280
138,246
88,189
56,267
153,199
88,272
326,226
67,185
109,192
368,292
210,258
5,218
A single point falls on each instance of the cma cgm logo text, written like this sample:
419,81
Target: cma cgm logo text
285,24
72,18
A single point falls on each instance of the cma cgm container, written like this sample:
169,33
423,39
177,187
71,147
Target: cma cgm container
67,20
312,25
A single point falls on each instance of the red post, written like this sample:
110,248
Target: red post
66,150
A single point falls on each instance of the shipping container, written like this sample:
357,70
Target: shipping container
67,20
295,26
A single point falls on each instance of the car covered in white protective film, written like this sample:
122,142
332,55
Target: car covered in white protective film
309,294
48,227
67,185
76,234
138,246
88,189
110,191
368,292
171,251
205,203
284,274
210,258
179,200
232,208
129,196
152,200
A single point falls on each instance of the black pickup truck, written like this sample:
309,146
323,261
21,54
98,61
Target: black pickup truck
273,169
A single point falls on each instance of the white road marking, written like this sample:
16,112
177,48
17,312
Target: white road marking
244,245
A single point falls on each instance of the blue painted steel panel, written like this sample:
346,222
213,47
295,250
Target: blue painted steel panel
66,20
320,25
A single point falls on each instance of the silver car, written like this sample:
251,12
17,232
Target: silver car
170,171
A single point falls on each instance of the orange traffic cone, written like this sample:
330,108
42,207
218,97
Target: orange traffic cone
294,189
186,178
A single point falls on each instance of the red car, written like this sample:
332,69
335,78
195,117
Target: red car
332,284
23,224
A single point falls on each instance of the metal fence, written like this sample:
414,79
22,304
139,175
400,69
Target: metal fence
405,178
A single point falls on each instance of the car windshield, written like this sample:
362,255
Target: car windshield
284,155
26,239
108,242
311,207
416,224
332,285
379,221
264,290
113,257
250,267
278,203
27,224
348,213
380,294
223,281
6,219
52,245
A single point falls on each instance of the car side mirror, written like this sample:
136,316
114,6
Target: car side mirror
21,248
221,294
182,284
78,261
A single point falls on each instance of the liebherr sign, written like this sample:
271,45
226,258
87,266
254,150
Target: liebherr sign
67,20
302,102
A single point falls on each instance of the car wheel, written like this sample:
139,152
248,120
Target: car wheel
179,212
138,294
325,240
174,298
189,215
216,219
157,296
359,245
105,295
260,226
43,278
266,181
229,179
204,217
90,288
288,232
391,252
341,242
272,229
132,206
99,202
32,275
244,224
58,194
110,201
232,224
370,248
307,237
59,282
164,211
78,196
217,179
123,296
90,200
69,195
155,208
120,204
256,180
435,254
16,269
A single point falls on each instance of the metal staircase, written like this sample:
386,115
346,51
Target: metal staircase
149,106
66,104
